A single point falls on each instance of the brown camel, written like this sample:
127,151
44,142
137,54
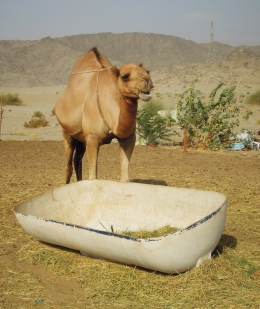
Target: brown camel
100,103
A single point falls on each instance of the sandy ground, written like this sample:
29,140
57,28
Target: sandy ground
34,99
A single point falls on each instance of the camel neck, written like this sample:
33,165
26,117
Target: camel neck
129,107
127,117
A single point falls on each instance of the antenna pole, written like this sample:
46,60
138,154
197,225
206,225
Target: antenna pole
211,53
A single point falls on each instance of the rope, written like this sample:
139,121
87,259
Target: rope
81,72
98,104
99,108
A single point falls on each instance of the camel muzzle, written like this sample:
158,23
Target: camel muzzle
144,96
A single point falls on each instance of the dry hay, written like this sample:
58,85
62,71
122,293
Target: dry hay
145,234
227,281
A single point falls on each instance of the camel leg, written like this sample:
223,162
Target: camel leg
79,154
92,154
70,144
125,152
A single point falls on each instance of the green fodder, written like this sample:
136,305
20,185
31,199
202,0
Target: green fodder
38,120
11,99
143,233
254,98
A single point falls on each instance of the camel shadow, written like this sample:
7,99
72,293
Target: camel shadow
150,182
226,241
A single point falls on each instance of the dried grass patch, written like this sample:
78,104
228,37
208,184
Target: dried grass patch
226,281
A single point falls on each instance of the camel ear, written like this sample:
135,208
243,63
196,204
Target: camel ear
114,70
141,65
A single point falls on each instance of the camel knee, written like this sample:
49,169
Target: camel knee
126,150
92,154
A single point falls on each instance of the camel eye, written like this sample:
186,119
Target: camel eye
125,77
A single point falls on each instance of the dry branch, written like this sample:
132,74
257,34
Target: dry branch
1,113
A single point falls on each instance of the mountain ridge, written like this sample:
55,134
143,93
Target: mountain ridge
49,61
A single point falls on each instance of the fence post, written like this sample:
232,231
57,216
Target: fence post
1,112
185,138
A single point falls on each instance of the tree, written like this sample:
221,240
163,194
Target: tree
152,127
206,122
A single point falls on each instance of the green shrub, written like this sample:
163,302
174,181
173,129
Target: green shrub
206,122
11,99
37,121
152,127
153,106
254,98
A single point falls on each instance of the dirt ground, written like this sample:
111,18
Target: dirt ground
32,167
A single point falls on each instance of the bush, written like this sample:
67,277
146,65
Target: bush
153,107
254,98
38,120
152,127
11,99
206,122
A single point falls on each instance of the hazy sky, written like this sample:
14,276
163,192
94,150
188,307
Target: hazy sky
236,22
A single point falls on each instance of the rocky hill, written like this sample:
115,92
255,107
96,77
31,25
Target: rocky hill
49,61
240,65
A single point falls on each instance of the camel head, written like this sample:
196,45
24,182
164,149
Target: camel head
134,82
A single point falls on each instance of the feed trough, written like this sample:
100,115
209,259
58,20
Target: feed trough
91,217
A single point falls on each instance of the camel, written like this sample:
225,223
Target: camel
99,104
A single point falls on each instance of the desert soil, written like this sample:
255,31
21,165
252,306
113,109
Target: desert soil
32,167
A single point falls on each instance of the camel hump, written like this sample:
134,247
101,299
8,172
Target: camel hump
105,63
92,60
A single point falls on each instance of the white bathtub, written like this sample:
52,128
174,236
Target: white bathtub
82,215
